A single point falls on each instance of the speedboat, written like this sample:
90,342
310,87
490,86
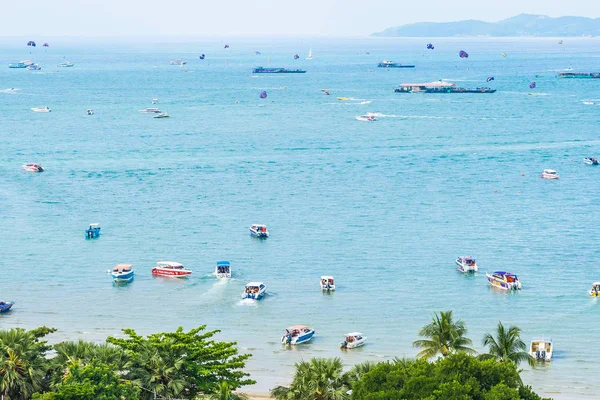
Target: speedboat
43,109
590,161
254,291
327,283
367,117
466,264
223,269
297,334
541,349
550,174
5,306
161,115
353,340
170,268
344,98
90,112
65,64
34,67
33,167
504,280
93,231
259,231
179,61
154,101
150,111
122,273
22,64
595,292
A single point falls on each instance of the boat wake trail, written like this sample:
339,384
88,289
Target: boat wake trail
9,90
247,303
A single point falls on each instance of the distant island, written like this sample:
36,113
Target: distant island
520,25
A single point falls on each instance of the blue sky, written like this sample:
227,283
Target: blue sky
258,17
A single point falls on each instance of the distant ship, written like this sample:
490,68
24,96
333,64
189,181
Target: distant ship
438,87
390,64
579,75
261,70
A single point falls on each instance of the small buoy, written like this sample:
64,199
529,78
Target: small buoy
495,191
522,174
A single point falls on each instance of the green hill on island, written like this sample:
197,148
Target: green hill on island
520,25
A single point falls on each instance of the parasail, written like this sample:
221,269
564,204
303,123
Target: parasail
489,79
463,54
430,46
31,43
202,56
226,46
560,42
46,45
532,85
263,94
296,56
504,55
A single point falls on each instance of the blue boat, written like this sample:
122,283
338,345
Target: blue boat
93,231
297,334
122,273
5,306
254,291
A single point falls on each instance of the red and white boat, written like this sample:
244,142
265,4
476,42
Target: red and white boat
33,167
170,268
550,174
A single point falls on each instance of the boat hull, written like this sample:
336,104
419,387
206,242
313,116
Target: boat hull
92,233
171,273
260,235
304,338
6,307
126,277
353,345
254,296
466,268
503,285
549,176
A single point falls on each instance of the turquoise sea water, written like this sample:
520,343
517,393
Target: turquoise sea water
385,207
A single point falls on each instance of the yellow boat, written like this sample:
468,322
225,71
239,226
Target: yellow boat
343,98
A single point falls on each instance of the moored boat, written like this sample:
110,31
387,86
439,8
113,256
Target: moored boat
353,340
504,280
391,64
171,269
261,70
33,167
466,264
161,115
93,231
34,67
65,64
5,306
588,75
259,231
122,273
595,292
541,349
254,291
367,118
327,283
297,334
590,161
550,174
223,269
439,87
21,64
150,111
179,61
41,109
90,112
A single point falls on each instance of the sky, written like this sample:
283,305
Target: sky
221,18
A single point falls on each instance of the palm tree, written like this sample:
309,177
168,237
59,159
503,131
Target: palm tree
317,379
22,364
223,392
507,345
444,336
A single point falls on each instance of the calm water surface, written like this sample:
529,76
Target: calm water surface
385,207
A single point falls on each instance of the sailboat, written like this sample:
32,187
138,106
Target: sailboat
310,56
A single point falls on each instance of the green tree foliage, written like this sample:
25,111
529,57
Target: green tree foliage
507,346
458,377
443,336
181,364
94,381
317,379
23,364
222,392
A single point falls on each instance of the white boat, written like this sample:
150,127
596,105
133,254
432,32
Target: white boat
43,109
90,112
65,64
353,340
590,161
550,174
154,101
34,67
504,280
161,115
297,334
541,349
150,111
595,292
327,283
310,56
368,118
122,273
177,62
33,167
254,291
466,264
170,268
223,269
259,231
